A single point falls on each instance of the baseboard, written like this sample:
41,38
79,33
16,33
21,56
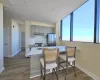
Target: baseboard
88,72
2,69
16,53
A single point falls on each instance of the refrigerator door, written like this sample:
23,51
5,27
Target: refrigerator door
51,39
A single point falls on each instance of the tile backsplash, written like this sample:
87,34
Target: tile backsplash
38,39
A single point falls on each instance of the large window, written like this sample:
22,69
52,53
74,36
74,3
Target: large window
99,19
66,28
83,22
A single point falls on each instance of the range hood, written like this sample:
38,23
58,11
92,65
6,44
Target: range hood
37,33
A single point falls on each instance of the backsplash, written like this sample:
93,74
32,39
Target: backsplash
38,39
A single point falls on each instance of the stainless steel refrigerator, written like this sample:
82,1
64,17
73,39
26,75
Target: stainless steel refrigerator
51,39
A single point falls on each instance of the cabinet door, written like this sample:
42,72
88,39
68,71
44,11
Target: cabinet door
50,29
36,29
32,31
35,65
39,29
45,30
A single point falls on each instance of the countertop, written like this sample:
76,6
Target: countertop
38,50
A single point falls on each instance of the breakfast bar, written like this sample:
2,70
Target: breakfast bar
36,54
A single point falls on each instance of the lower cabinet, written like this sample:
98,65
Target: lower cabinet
35,65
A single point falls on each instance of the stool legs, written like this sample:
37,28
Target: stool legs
74,69
55,71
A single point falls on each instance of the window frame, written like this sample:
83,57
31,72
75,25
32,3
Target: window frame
96,24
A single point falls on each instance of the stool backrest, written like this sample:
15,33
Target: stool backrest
50,54
71,51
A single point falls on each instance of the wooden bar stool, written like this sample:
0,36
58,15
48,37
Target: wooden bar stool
49,61
69,59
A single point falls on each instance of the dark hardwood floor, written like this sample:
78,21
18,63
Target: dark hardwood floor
18,68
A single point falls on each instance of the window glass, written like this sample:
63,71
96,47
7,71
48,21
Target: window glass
99,20
66,28
83,22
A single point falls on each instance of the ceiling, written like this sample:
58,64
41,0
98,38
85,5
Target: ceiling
48,11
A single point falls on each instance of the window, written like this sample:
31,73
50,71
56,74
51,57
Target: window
99,28
96,29
83,22
99,19
66,28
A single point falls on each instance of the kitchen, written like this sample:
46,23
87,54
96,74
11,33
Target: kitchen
36,32
40,37
36,38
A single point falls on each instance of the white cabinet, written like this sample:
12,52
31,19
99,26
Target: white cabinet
35,65
41,29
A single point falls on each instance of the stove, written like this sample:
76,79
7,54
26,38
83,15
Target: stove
38,45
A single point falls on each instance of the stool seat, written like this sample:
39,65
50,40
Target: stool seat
48,65
70,59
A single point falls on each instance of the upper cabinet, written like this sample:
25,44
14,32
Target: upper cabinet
41,30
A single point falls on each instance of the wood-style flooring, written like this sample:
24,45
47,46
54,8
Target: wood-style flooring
80,76
18,68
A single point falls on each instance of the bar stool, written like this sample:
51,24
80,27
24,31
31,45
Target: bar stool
69,59
49,61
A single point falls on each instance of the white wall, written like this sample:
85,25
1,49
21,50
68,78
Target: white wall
1,38
27,37
15,38
7,34
11,36
57,33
